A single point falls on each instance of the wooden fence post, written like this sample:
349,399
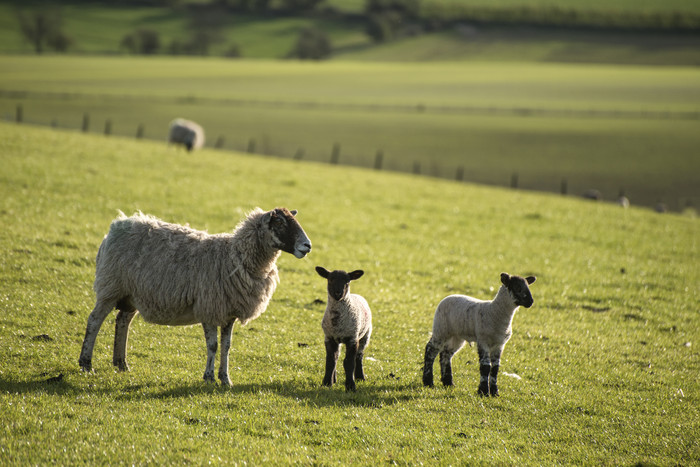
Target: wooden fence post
219,142
378,159
335,155
108,127
514,180
299,155
564,186
19,115
251,145
86,122
416,168
460,174
140,131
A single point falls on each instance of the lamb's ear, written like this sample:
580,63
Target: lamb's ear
323,272
505,278
530,279
294,212
266,217
356,274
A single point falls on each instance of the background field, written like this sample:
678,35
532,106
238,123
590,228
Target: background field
608,354
606,127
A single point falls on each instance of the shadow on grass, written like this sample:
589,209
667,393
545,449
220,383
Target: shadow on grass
372,394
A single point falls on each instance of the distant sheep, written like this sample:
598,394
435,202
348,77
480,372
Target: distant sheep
175,275
347,320
459,318
187,133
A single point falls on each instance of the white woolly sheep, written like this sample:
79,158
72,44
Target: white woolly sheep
347,320
187,133
460,318
174,275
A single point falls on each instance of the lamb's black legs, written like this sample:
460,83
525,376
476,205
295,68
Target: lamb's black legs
488,367
332,352
349,365
352,363
430,353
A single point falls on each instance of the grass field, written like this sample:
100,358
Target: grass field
606,127
607,355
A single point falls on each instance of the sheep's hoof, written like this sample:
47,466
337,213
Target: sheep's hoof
209,377
493,392
483,390
85,365
225,381
350,387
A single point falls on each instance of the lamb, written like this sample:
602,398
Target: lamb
347,320
187,133
174,275
459,318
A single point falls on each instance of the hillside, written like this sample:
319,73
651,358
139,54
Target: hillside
614,303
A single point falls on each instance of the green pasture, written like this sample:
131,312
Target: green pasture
607,356
606,127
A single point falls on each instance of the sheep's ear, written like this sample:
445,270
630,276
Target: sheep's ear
323,272
356,274
266,217
530,279
505,278
294,212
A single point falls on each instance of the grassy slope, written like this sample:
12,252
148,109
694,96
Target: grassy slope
285,106
607,376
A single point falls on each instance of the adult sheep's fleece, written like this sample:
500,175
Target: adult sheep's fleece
187,133
175,275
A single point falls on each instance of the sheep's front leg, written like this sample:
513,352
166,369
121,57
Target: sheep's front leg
225,347
210,336
430,353
493,374
349,364
121,335
484,369
95,320
332,352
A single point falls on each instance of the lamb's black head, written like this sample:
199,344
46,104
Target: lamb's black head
518,288
338,281
286,233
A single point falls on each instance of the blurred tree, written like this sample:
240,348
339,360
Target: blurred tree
299,5
312,44
141,41
387,18
43,28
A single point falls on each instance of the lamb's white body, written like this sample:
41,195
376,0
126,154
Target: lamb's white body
348,318
187,133
461,318
175,275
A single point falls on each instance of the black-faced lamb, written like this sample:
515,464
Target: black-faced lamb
347,320
187,133
175,275
460,318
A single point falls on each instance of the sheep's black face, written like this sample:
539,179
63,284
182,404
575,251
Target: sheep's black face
338,281
519,289
287,234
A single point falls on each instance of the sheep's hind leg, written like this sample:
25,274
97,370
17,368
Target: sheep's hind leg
332,352
225,347
430,353
484,369
95,320
359,369
349,364
125,315
211,338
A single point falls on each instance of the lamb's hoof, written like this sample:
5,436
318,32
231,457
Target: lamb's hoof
121,365
350,387
226,383
447,383
493,392
327,383
85,365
